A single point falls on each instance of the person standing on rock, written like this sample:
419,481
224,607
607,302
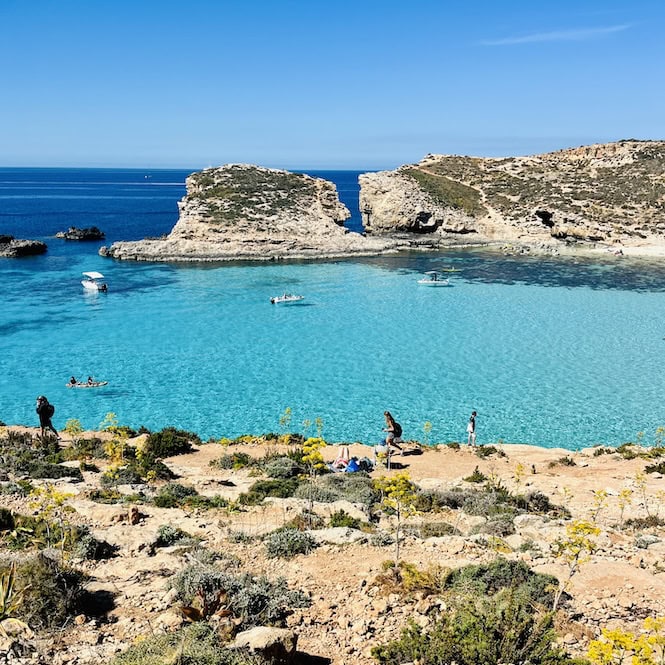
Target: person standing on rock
471,430
45,411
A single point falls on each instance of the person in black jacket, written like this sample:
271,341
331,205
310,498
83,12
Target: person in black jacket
45,411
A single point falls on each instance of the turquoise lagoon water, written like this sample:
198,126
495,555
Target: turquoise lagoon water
555,352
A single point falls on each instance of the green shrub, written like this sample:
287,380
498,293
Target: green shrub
430,530
21,532
353,487
486,451
488,579
655,468
283,467
286,543
196,644
83,449
50,594
281,488
498,525
173,495
502,629
90,548
650,522
453,445
171,441
476,477
628,450
235,460
125,475
562,461
168,536
254,601
342,518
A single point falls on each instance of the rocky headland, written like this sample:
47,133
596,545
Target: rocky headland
591,197
608,197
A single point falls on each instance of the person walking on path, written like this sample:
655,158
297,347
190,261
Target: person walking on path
471,430
45,411
394,430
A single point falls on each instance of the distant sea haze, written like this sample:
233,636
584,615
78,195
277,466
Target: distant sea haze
553,352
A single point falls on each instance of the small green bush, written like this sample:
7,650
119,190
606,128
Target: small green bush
562,461
502,629
430,530
487,451
168,536
476,477
126,475
283,467
281,488
171,441
342,518
235,460
50,593
498,525
353,487
173,495
488,579
650,522
655,468
286,543
196,644
255,601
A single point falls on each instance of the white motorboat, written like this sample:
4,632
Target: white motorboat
94,281
433,279
286,297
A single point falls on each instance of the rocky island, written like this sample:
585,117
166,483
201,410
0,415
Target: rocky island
74,233
591,198
10,247
245,212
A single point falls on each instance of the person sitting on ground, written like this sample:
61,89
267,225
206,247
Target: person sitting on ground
394,430
45,412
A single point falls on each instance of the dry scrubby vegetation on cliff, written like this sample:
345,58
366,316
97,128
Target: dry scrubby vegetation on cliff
497,612
246,192
622,183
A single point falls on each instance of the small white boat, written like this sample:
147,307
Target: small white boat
433,279
94,281
286,297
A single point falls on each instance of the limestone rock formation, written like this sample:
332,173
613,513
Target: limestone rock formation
241,211
606,193
74,233
12,248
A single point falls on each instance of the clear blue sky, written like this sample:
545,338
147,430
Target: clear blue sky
366,84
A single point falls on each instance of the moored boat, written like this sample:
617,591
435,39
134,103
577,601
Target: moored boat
286,297
94,281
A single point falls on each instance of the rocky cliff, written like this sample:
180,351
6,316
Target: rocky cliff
611,193
241,211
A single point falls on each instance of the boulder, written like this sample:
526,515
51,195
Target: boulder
276,645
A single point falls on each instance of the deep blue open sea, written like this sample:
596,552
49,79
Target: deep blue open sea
554,352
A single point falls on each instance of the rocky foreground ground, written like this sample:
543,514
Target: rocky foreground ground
622,581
